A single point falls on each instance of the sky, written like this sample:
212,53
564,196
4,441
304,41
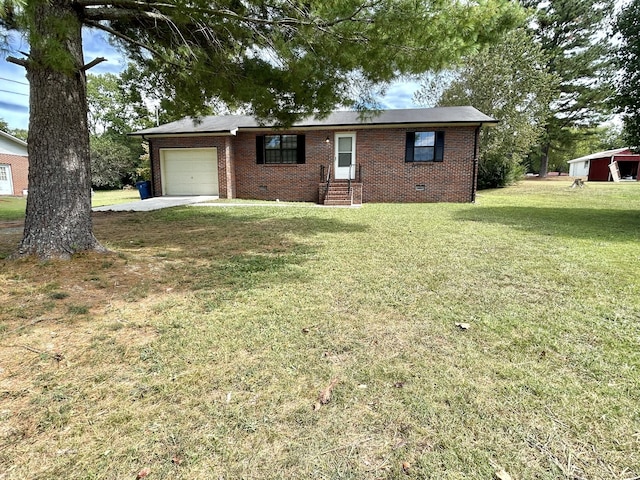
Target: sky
14,89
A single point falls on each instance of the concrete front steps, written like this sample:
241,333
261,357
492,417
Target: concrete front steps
341,193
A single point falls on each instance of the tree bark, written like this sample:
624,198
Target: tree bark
58,217
544,161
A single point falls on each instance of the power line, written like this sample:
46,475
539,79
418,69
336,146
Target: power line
15,93
14,81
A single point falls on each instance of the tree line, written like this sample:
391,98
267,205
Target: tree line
545,69
552,82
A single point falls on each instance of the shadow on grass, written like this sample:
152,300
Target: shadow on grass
201,250
585,223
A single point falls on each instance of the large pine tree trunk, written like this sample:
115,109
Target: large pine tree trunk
58,218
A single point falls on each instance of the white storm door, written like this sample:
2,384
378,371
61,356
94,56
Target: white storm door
6,185
345,162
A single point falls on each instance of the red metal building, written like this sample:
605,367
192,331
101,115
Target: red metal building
596,166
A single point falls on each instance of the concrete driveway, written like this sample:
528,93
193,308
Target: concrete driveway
154,203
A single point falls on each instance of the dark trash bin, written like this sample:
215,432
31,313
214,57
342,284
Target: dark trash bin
144,188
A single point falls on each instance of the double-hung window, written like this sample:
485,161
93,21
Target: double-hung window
427,146
280,149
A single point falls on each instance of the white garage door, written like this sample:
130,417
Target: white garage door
189,171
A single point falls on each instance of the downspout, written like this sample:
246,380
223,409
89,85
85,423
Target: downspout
474,178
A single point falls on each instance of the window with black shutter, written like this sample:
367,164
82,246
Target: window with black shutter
425,146
280,149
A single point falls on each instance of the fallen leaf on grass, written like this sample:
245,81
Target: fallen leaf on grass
143,473
463,326
503,475
325,394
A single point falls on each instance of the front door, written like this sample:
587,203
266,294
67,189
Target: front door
6,187
345,163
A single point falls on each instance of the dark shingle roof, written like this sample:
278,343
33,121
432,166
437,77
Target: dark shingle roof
415,116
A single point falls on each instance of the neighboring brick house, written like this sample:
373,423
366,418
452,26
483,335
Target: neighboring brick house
416,155
14,165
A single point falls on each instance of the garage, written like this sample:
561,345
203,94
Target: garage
189,171
596,166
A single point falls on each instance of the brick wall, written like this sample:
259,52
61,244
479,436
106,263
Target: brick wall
379,157
19,171
297,182
387,178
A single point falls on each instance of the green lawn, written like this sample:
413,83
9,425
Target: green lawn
13,208
199,349
113,197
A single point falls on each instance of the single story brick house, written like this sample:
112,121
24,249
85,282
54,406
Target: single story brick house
14,165
595,167
413,155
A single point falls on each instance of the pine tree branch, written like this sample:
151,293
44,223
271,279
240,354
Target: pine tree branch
133,4
18,61
98,14
122,36
93,63
124,9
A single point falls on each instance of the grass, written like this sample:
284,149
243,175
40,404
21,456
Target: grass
13,208
199,349
114,197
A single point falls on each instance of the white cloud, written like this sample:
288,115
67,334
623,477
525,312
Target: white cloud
95,44
400,95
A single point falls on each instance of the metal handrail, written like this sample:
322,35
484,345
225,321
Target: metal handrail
328,180
352,173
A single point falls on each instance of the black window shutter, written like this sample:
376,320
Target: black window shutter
300,147
408,151
259,149
439,153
